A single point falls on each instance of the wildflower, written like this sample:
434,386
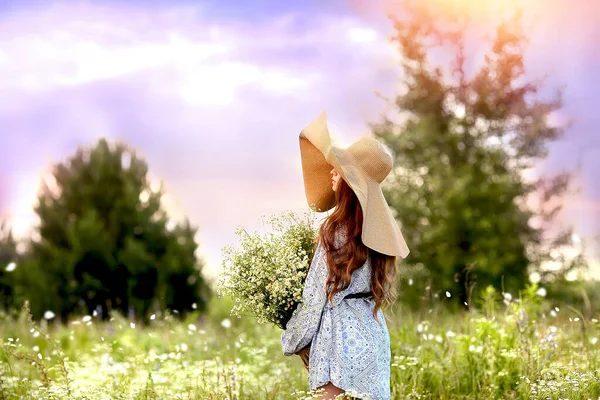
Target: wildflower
87,318
508,353
523,318
49,315
11,267
226,323
594,340
192,327
548,341
250,279
474,349
410,282
541,292
448,294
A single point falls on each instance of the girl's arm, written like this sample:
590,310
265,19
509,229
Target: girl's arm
304,323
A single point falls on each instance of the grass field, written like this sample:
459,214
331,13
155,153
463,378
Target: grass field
511,349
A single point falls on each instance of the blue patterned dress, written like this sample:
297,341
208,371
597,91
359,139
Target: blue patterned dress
349,348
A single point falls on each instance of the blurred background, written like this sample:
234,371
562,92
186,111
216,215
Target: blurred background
136,136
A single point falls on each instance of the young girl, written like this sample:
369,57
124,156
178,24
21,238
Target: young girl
353,273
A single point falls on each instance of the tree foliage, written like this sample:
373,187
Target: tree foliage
105,242
8,264
464,142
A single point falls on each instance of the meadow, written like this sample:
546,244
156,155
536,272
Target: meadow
509,347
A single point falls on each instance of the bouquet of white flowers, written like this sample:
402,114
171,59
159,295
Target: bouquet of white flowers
266,274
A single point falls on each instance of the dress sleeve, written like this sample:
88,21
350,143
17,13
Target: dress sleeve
305,320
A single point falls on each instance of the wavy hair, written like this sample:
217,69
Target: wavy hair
348,217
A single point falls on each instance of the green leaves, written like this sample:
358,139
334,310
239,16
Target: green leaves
9,266
462,148
104,239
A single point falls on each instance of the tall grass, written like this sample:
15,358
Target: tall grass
508,348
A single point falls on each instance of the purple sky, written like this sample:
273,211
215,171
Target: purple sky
214,96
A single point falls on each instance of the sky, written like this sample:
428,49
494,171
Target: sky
214,94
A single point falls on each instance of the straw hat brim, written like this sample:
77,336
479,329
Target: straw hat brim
380,230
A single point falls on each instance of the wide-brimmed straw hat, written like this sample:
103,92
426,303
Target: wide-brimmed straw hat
364,165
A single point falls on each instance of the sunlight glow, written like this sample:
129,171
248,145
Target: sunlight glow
483,12
362,35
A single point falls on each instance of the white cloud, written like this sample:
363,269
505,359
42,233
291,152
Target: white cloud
362,35
216,109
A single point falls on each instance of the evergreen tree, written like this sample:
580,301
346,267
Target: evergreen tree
8,265
105,241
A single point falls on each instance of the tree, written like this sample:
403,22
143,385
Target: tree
463,144
104,240
8,264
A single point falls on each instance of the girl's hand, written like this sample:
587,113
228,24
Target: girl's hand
304,355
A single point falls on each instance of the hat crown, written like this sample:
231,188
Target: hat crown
372,158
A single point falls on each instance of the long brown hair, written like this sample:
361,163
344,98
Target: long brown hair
352,254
